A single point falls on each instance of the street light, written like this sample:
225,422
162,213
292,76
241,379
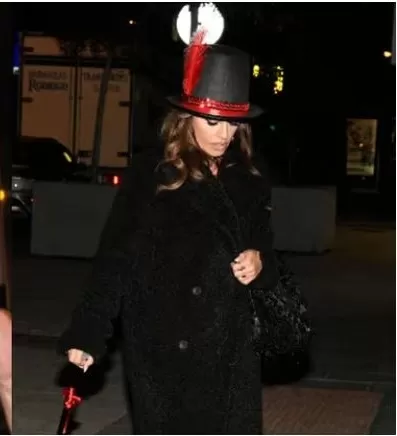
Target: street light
387,54
279,82
208,16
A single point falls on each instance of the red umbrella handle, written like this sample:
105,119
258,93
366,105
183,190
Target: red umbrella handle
70,401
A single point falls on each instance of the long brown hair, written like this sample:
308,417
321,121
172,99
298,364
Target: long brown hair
183,152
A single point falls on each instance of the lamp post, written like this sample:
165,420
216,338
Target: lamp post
194,23
194,15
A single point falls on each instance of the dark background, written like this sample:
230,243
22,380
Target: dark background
332,54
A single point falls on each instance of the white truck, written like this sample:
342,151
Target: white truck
59,100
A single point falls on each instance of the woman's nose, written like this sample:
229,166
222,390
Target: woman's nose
224,130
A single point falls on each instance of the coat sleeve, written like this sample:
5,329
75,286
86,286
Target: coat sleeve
262,239
92,321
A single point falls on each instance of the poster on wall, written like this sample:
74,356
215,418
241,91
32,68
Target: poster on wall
361,147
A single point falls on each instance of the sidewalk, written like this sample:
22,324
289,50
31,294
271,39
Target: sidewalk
38,406
38,399
351,291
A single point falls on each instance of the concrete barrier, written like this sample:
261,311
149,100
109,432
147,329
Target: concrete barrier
68,218
303,218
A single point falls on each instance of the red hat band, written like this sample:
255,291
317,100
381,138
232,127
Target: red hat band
207,106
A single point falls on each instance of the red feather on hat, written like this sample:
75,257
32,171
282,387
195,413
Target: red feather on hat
194,61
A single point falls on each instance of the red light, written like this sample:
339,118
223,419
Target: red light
111,179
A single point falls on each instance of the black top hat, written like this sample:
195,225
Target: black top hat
216,82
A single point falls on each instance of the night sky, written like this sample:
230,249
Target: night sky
353,29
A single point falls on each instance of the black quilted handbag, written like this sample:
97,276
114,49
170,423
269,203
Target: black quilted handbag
281,329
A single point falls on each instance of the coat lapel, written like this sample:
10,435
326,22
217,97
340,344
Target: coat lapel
214,198
211,199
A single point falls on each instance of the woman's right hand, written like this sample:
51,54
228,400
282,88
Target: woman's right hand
80,358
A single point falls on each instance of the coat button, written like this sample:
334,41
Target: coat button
183,345
197,291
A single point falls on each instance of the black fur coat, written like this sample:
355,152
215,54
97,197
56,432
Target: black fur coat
164,267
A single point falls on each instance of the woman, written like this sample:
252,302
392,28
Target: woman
188,234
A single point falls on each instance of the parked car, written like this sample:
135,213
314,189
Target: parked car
42,159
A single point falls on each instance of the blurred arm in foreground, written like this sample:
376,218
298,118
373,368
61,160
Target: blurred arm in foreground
5,365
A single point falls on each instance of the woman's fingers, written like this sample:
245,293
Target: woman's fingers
246,266
88,362
245,276
80,359
243,269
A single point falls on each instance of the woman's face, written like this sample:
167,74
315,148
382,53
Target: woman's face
212,136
